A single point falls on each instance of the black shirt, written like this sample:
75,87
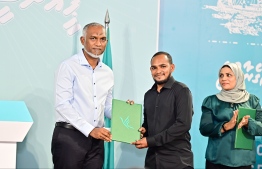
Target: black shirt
167,119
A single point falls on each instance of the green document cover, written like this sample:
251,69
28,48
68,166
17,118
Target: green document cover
244,140
125,121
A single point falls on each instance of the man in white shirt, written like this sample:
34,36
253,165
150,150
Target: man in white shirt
83,96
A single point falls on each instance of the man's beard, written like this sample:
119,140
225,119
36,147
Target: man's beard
93,55
163,81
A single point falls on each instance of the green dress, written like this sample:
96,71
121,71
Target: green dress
220,148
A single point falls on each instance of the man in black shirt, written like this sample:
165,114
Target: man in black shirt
168,111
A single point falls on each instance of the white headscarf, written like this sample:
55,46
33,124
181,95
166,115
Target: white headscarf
238,94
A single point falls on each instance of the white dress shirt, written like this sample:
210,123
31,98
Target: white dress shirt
83,95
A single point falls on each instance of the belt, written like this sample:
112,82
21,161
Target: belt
65,125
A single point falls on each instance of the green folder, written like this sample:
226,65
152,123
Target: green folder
243,139
125,121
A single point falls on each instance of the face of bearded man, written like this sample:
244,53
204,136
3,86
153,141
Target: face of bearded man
161,69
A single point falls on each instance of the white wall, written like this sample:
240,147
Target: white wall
33,42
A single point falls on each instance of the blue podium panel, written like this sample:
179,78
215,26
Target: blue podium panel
15,120
14,111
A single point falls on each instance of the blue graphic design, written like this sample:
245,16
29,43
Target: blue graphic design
239,16
126,123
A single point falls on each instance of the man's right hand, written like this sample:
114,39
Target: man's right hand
131,102
102,134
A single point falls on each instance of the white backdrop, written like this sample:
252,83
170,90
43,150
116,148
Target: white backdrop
36,35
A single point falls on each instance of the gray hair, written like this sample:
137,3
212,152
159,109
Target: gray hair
90,25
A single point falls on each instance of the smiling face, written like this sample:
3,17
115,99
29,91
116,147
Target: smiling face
227,79
161,69
94,39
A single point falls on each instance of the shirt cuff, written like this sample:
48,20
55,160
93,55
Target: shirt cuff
86,129
221,127
251,126
151,141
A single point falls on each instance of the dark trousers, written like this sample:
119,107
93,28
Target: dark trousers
73,150
210,165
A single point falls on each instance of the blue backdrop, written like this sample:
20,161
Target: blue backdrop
201,36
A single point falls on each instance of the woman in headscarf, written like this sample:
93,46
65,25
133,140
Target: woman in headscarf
219,121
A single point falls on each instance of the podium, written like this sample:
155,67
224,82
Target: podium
15,122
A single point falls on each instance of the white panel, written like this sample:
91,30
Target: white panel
13,131
8,155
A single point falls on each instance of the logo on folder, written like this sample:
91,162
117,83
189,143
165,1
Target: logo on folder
126,123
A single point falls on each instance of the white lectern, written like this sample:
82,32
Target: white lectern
15,122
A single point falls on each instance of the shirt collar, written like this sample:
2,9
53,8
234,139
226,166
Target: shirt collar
84,62
168,84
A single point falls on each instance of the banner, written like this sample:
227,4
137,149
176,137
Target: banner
203,35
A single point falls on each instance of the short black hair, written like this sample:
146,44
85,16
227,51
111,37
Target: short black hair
163,53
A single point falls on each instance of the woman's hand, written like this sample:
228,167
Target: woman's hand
231,124
244,122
